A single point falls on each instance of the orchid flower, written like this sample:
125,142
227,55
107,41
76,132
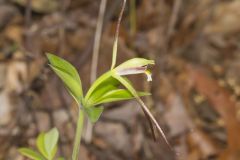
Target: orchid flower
107,88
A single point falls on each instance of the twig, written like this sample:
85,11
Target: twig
96,46
173,19
87,53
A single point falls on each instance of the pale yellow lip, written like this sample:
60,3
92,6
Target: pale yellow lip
149,75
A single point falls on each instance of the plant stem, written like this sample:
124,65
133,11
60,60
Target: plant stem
78,134
89,126
97,39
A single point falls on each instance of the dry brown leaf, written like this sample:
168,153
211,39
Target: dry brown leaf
14,33
16,77
224,105
203,143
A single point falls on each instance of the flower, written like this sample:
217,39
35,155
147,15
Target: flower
135,66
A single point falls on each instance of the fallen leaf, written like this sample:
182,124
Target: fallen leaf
223,103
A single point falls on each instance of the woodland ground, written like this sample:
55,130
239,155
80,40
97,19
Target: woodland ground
195,88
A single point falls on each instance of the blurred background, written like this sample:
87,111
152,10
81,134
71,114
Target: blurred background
195,88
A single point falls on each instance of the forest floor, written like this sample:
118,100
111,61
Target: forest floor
195,88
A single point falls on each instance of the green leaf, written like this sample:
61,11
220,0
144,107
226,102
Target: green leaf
50,142
100,80
60,158
73,87
66,71
30,154
41,145
106,90
94,113
54,151
104,87
64,65
118,95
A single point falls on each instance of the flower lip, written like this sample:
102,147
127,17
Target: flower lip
149,75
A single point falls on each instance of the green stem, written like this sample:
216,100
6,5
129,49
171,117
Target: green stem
78,134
